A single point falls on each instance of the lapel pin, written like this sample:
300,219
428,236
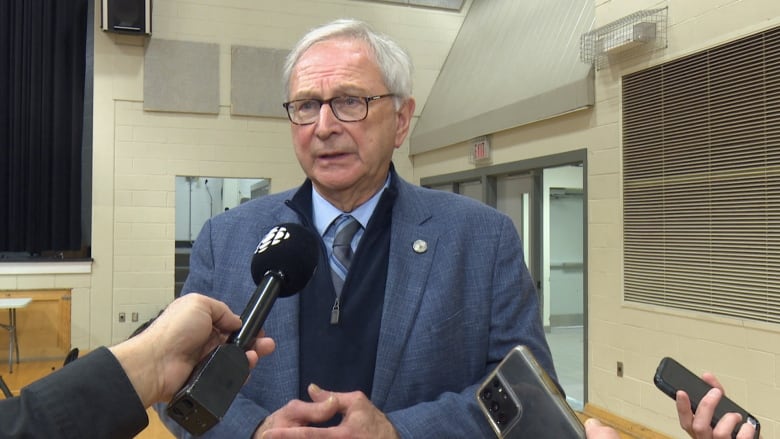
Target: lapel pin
420,246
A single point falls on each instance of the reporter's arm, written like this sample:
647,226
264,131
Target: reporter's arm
91,397
105,393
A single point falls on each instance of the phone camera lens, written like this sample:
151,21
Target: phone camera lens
487,395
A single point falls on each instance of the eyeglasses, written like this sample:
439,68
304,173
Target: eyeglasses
345,108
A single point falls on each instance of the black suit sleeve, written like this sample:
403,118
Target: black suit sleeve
90,397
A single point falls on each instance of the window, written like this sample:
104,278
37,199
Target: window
701,181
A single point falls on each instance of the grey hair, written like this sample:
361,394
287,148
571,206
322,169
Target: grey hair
393,61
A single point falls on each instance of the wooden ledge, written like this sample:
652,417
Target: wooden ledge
46,267
626,428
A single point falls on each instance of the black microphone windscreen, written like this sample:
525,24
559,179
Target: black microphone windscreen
288,248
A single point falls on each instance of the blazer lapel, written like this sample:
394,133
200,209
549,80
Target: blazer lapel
412,248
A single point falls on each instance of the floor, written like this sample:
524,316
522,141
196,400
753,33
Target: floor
566,344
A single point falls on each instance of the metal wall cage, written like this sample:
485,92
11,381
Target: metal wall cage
632,35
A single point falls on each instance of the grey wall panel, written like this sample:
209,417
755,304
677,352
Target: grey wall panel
256,81
513,63
443,4
181,76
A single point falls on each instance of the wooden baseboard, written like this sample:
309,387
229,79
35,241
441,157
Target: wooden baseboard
624,426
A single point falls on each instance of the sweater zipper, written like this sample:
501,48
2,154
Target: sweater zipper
334,313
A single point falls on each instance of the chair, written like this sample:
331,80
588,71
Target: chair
72,355
5,389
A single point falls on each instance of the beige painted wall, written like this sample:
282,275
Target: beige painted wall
745,355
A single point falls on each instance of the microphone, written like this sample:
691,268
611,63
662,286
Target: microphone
283,263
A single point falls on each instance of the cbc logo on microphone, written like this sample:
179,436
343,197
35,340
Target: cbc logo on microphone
273,238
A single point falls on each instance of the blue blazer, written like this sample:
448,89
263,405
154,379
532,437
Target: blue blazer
450,313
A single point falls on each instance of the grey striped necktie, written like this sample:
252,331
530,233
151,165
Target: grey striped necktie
346,226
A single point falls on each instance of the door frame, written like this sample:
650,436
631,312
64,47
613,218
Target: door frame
489,174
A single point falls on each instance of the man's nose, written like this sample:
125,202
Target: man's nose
327,122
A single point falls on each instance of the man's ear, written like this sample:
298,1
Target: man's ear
404,120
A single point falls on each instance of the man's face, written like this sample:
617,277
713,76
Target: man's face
346,161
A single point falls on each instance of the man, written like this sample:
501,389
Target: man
434,296
104,394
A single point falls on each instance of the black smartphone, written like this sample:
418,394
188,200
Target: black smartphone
520,401
672,376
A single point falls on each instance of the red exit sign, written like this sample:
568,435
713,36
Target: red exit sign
480,150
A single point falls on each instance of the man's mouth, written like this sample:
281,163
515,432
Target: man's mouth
333,155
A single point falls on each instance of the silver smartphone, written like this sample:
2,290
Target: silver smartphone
520,400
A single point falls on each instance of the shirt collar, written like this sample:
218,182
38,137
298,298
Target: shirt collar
325,213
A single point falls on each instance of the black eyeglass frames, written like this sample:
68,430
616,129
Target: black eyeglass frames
345,108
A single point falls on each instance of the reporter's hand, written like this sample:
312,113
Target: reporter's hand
361,419
595,430
697,425
160,359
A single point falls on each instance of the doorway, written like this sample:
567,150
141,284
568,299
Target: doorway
546,199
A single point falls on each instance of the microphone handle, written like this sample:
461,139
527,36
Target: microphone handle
257,310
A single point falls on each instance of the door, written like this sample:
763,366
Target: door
545,198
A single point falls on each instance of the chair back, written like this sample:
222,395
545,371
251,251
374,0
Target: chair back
5,389
72,355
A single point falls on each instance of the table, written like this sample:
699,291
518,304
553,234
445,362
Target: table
12,305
